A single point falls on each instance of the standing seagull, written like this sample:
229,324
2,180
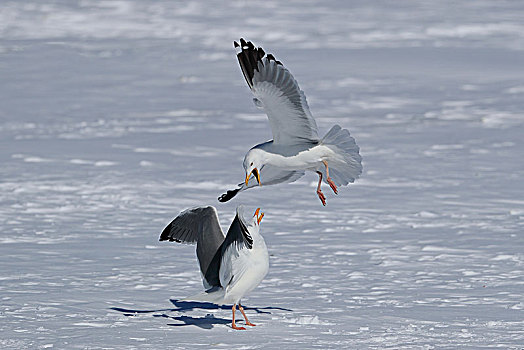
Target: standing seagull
296,146
231,266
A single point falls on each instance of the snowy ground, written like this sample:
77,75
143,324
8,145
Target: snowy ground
117,115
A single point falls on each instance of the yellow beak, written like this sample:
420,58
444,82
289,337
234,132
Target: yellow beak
259,218
257,176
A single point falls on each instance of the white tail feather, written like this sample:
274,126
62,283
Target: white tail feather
348,166
215,296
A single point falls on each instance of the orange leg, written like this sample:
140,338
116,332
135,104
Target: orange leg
319,192
233,325
329,181
245,317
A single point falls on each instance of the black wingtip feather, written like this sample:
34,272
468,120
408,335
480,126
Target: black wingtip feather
164,236
237,234
228,195
248,240
249,58
272,58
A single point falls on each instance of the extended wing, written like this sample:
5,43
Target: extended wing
269,175
277,91
201,226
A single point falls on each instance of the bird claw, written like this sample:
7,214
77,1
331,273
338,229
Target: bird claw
250,324
332,185
238,328
321,197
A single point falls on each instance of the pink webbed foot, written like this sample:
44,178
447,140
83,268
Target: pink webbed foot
332,185
321,197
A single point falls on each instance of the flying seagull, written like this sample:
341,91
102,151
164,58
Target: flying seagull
296,146
231,265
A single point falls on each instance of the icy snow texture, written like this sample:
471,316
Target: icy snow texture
103,105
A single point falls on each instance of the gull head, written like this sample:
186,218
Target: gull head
253,162
252,224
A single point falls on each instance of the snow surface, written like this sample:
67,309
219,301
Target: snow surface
117,115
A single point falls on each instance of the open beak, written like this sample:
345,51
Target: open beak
257,176
259,218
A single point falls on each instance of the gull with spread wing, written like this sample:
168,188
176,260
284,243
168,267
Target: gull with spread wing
296,146
231,265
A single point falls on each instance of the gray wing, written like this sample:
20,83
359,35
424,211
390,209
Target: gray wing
201,226
269,175
277,91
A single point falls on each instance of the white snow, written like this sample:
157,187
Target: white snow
117,115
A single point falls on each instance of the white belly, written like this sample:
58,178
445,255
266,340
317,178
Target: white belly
255,263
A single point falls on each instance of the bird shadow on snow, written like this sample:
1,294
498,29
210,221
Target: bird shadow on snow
206,322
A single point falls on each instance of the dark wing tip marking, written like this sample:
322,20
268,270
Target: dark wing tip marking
272,58
248,240
249,58
237,236
228,195
164,236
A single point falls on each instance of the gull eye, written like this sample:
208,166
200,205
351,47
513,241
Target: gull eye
251,164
